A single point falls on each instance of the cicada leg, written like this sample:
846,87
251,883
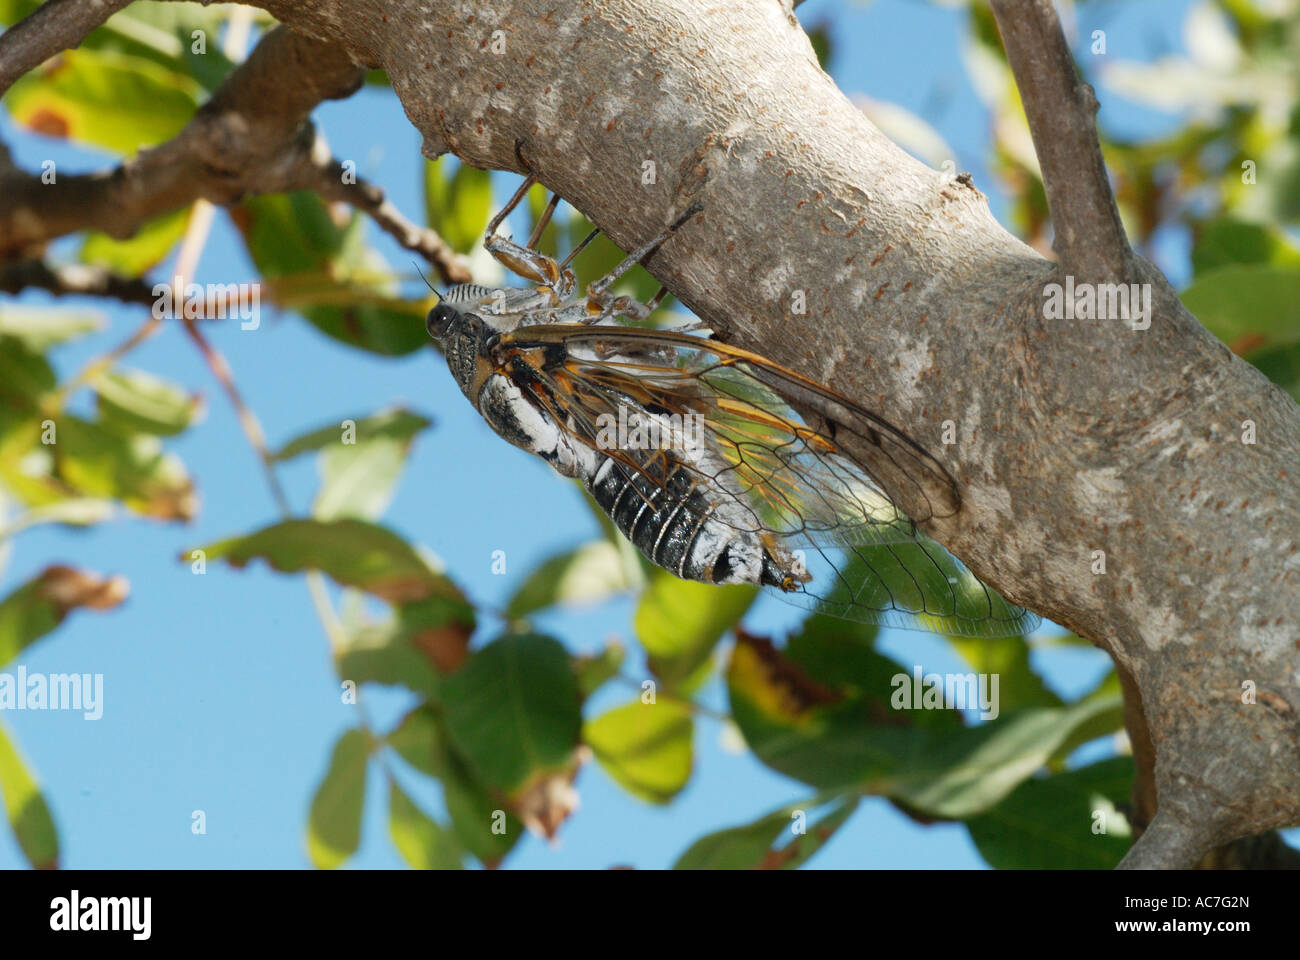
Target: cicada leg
527,261
601,305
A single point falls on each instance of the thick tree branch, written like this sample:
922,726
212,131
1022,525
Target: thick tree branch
1061,110
252,137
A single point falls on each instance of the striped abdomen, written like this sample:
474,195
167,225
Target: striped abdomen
666,515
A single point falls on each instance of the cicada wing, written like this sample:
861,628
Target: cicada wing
807,483
912,586
801,485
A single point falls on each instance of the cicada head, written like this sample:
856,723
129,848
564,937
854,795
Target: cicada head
461,337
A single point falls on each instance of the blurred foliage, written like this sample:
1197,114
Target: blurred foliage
1228,176
500,716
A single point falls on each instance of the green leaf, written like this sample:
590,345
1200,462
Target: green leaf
459,208
395,424
420,740
1054,823
419,839
753,846
38,329
133,400
136,255
105,99
737,848
646,748
39,605
384,654
352,552
102,460
410,649
513,710
320,269
334,825
28,813
680,621
1226,241
593,671
1007,657
962,774
25,375
843,736
588,574
416,740
360,468
1249,307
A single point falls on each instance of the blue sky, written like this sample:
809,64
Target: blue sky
219,690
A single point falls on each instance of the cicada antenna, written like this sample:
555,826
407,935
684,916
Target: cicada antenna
436,292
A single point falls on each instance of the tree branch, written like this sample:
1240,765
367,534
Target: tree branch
75,279
1061,110
252,137
53,27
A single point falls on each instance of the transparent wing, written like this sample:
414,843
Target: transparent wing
913,586
808,480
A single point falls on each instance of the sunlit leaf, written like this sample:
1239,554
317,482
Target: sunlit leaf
105,99
28,813
421,841
136,255
102,460
645,747
457,208
134,400
334,824
588,574
38,329
679,622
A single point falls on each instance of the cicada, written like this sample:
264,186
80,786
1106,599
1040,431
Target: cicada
718,464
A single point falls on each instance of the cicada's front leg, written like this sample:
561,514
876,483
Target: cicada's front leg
553,279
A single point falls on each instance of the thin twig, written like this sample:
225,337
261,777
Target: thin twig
1061,109
53,27
328,180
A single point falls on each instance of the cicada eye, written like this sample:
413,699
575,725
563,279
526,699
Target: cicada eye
439,320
